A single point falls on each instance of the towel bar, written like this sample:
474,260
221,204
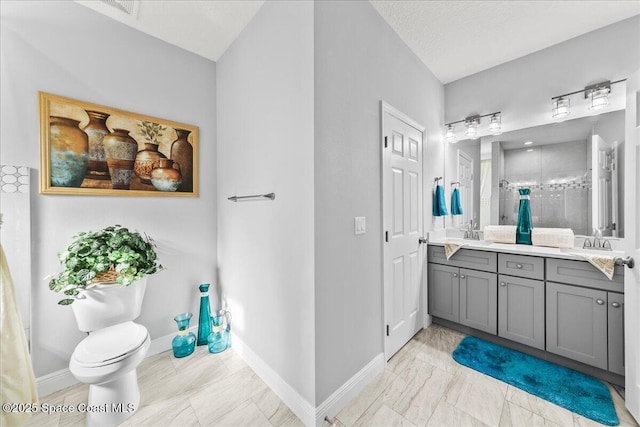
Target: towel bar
253,196
628,261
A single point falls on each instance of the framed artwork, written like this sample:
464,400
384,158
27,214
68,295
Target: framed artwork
95,150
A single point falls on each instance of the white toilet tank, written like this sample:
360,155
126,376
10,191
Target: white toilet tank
108,304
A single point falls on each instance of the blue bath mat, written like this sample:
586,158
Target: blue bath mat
572,390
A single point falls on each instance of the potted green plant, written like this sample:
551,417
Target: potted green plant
111,255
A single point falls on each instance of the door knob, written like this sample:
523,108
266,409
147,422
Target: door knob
599,302
462,276
422,240
519,265
503,284
615,304
455,274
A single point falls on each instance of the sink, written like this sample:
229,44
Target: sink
590,251
479,242
469,242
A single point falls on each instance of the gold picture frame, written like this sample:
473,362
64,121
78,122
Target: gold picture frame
88,149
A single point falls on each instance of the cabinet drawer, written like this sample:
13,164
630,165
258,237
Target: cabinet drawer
465,258
529,267
582,273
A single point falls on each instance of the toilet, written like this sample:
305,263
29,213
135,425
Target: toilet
108,357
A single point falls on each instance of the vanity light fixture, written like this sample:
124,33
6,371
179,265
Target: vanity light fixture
471,125
597,94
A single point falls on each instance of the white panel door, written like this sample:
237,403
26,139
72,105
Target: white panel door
403,254
632,246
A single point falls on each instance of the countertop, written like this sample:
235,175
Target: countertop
531,250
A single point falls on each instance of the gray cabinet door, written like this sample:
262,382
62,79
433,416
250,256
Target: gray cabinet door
577,323
521,310
479,300
444,292
615,313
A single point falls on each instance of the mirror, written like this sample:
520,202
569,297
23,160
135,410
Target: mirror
575,170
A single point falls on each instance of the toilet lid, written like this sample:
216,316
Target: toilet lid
110,344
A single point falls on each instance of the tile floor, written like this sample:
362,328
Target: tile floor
421,386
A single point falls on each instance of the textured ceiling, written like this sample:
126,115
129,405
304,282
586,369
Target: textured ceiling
453,38
458,38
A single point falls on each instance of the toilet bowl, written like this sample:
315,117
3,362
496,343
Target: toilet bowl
107,359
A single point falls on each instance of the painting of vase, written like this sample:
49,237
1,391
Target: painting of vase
97,150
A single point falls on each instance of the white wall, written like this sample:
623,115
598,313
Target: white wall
522,89
67,49
265,116
359,60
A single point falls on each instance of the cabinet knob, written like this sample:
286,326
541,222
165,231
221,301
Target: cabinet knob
519,265
615,304
462,276
599,302
503,284
455,274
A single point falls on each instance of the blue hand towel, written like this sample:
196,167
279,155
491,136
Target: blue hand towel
456,207
439,204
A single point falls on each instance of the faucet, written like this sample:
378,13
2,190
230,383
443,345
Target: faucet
598,241
470,232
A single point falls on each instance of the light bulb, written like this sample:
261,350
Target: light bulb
560,107
472,127
495,126
450,135
599,98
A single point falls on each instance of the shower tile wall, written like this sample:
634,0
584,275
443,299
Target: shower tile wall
557,175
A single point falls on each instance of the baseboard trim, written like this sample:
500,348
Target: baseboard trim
50,383
54,381
297,403
350,389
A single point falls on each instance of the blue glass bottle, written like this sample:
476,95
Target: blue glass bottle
184,343
220,338
523,228
204,322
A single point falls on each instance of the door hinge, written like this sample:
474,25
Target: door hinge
387,330
385,142
386,236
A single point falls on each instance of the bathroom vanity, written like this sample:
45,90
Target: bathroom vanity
542,301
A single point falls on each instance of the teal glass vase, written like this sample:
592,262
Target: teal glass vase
523,228
220,338
204,322
184,343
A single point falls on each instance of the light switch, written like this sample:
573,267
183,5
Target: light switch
360,225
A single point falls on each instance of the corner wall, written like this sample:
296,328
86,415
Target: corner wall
265,134
66,49
359,61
